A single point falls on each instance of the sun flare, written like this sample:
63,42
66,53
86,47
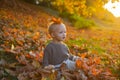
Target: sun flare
114,7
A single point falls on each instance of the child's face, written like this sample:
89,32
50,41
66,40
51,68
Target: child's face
60,33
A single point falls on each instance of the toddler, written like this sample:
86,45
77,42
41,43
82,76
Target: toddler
56,52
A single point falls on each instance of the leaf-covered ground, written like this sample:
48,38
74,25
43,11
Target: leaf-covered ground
23,36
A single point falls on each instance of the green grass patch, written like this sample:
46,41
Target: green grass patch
77,21
80,22
92,45
78,42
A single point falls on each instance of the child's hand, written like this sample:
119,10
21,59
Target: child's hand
75,58
50,67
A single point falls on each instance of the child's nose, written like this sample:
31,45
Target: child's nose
64,34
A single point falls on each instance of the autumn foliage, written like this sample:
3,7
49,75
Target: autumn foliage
22,41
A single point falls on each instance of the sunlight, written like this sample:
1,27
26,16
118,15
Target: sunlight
114,8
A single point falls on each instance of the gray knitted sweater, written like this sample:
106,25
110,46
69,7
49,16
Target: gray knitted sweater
55,54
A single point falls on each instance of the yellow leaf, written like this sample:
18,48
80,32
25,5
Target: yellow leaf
36,64
12,47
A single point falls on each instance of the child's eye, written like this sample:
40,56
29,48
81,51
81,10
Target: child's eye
62,32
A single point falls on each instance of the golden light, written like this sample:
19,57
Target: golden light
114,7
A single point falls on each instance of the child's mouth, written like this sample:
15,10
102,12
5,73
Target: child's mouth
63,37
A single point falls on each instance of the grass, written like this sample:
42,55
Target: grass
80,22
91,44
77,21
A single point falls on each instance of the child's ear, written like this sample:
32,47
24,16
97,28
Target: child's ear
52,34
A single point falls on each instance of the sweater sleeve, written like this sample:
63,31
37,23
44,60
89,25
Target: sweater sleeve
46,57
71,56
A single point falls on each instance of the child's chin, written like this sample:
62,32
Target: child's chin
63,40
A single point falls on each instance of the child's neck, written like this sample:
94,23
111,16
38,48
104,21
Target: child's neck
57,42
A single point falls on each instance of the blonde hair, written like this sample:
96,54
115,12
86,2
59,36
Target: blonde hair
53,24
